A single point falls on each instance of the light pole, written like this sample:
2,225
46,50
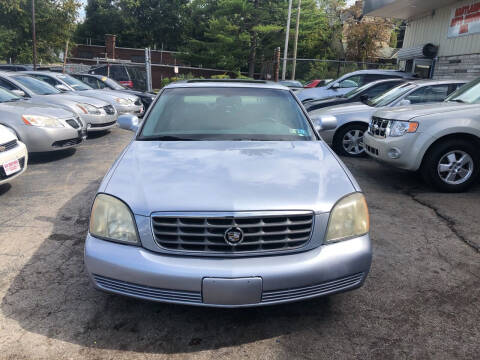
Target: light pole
285,51
34,37
296,41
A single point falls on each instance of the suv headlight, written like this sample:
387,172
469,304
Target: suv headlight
399,128
42,121
348,218
122,101
111,219
89,109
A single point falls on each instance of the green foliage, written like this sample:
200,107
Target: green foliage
55,22
394,39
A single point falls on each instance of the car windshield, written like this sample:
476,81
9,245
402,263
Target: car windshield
391,95
221,113
112,84
74,83
469,93
357,91
7,96
36,86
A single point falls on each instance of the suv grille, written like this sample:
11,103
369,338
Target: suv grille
9,145
271,231
378,126
109,109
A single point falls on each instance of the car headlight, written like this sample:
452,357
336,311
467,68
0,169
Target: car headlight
122,101
89,109
111,219
348,218
42,121
397,128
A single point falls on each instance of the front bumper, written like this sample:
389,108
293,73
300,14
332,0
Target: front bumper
137,110
233,282
378,148
17,153
99,122
40,139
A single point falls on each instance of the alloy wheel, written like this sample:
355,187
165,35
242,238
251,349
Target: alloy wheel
352,142
455,167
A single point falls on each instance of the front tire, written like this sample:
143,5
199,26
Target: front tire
451,166
348,141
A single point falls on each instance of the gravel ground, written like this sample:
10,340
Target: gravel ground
419,301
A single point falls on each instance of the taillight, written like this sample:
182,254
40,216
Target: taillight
128,83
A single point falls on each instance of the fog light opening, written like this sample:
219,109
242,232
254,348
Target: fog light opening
394,153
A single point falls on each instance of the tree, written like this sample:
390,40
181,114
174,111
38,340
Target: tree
55,22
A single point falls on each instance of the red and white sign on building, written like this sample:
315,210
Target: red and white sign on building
465,20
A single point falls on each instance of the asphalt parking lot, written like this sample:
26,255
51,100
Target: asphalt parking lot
420,300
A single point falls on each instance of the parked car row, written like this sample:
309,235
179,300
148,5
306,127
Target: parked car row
44,111
419,125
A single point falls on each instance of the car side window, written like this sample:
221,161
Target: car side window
379,89
8,85
90,81
351,82
434,93
47,79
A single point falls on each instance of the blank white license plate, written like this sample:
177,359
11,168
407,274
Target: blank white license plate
12,167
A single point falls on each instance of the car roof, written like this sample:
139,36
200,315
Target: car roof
425,82
382,72
259,84
51,73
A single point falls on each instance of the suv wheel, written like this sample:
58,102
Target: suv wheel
348,141
451,166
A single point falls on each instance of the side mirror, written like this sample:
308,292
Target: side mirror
62,87
128,122
19,93
404,103
335,86
325,122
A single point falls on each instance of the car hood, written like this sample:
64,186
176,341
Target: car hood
81,99
319,93
106,95
343,109
26,107
228,176
6,135
406,113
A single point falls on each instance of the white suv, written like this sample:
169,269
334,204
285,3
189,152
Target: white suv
13,156
441,140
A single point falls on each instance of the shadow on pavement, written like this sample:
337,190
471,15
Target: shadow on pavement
46,157
52,296
97,134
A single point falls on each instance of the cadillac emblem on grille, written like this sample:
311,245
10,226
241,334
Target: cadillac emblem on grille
233,236
2,148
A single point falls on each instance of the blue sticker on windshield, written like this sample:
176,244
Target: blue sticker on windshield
299,132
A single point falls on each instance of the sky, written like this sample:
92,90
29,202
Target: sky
84,2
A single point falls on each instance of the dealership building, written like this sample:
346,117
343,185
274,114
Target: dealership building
442,37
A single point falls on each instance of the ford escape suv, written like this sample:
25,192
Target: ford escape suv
227,197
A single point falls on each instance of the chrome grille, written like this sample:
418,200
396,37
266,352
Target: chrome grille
378,126
9,145
272,231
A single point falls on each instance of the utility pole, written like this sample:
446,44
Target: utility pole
34,37
65,57
296,40
285,51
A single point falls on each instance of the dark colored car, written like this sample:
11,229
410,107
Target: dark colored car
15,67
103,82
363,93
133,77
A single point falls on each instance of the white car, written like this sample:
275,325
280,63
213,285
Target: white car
13,156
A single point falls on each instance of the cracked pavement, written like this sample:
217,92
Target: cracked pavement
419,301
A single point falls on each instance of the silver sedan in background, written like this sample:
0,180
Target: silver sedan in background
353,119
94,114
123,103
40,127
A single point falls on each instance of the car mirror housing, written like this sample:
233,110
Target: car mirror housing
128,122
19,93
322,123
62,87
404,103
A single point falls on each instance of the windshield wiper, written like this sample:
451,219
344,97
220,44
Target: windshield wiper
167,138
458,100
13,100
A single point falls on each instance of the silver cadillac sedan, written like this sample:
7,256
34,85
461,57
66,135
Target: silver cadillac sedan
227,197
